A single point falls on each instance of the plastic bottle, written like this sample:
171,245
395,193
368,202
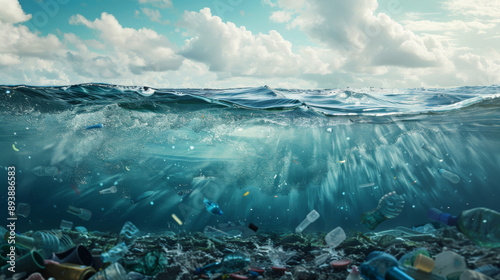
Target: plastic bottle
481,225
109,190
230,263
115,253
380,265
450,176
311,217
83,214
46,242
389,206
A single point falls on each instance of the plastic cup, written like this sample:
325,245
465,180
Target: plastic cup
335,237
424,263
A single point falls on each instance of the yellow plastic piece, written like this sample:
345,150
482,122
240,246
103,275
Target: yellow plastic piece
424,263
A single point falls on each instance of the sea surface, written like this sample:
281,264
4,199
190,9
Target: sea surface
266,156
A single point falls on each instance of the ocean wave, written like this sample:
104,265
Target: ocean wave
328,102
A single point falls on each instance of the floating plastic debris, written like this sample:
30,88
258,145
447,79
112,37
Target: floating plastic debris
450,176
99,125
212,207
112,189
245,194
83,214
311,217
389,206
14,147
177,219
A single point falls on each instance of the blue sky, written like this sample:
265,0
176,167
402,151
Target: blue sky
236,43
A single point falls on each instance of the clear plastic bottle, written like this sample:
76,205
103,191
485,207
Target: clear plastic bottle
109,190
115,253
481,225
45,241
450,176
230,263
311,217
82,213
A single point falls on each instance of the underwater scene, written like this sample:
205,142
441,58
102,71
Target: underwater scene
129,182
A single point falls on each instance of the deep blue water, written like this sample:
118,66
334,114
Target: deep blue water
292,151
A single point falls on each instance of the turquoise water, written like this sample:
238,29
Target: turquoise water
336,151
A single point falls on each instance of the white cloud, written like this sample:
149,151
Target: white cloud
476,8
162,4
89,64
24,55
154,15
281,16
141,50
224,47
11,12
369,40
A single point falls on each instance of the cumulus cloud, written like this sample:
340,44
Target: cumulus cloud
12,12
141,50
368,39
89,64
224,47
27,57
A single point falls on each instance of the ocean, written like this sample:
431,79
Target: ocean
266,156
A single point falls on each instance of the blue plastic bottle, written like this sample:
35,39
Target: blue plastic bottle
380,266
480,225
